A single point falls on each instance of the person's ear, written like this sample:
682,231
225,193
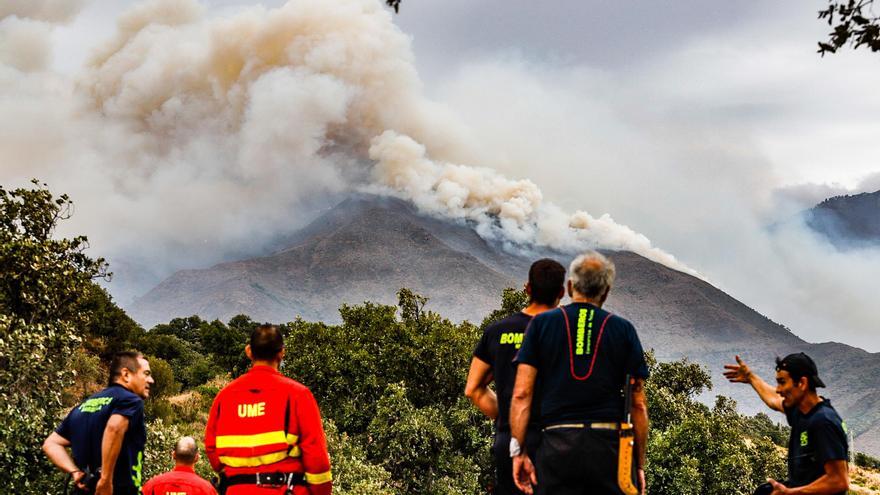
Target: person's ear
281,354
605,295
570,287
248,353
528,288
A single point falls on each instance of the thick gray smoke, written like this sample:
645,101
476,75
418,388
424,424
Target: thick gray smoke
694,172
188,137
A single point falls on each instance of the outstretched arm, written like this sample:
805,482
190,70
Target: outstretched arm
740,373
477,388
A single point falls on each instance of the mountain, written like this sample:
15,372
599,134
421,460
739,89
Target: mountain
848,221
368,247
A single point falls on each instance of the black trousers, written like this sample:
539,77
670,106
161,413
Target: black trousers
504,484
578,461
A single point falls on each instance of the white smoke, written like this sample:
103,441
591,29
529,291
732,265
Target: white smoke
187,137
43,10
512,211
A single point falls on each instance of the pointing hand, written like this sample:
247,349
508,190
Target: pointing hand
739,372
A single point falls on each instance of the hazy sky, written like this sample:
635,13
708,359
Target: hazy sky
697,124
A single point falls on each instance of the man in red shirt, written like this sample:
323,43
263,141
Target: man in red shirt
264,434
183,480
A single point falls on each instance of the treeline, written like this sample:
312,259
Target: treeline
389,380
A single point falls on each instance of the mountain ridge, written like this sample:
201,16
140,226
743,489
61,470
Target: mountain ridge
368,247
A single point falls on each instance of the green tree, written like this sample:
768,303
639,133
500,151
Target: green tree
694,449
853,23
392,380
43,283
512,300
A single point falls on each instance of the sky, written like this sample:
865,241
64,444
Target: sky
681,131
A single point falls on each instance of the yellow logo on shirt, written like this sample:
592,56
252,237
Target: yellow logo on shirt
251,410
512,338
804,439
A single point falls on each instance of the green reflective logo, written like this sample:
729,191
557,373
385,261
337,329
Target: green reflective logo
845,428
585,325
137,469
95,405
514,338
804,439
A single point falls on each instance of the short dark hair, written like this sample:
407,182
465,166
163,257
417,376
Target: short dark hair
546,277
266,342
123,360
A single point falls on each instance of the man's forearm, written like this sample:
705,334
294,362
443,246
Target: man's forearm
835,480
486,401
520,409
766,392
521,403
639,413
111,444
640,428
56,451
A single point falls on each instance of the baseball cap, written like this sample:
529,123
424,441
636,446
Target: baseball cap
799,364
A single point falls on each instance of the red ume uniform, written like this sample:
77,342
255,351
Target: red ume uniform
182,481
264,422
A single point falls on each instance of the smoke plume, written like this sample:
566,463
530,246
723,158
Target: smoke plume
189,137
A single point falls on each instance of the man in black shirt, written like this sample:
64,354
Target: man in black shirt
575,359
107,432
493,359
817,449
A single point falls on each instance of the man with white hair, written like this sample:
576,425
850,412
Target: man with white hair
183,479
576,359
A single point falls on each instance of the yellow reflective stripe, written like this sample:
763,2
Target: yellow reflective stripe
317,479
260,439
294,451
259,460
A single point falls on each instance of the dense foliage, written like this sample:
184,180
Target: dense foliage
43,283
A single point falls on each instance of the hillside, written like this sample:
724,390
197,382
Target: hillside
367,247
848,221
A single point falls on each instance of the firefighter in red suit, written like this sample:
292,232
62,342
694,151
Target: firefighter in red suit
264,434
183,480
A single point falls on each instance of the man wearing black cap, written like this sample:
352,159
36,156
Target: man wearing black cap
817,448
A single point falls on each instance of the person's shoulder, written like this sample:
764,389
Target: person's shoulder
548,316
827,415
290,384
618,320
200,483
120,396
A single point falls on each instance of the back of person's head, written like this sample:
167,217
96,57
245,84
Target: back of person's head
591,274
266,342
122,361
186,451
546,278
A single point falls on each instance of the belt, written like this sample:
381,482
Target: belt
265,479
592,426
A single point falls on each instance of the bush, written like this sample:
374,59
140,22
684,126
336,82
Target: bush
43,283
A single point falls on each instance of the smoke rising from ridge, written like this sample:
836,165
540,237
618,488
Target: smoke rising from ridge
187,135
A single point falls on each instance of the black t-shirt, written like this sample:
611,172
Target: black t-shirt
582,365
84,427
497,348
816,438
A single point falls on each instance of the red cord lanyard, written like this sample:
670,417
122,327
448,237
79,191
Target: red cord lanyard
571,347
